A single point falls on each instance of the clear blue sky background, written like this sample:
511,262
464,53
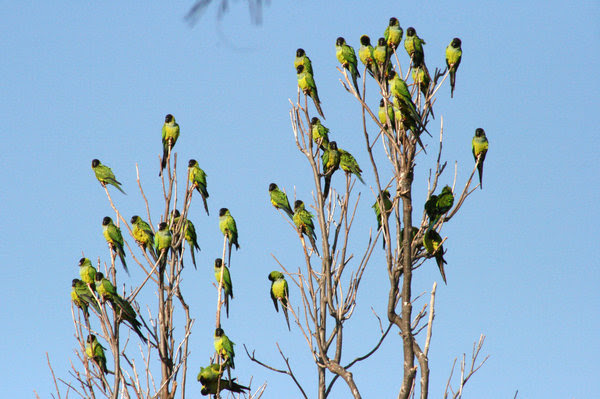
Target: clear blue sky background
89,80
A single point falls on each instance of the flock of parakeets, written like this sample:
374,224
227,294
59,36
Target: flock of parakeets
400,112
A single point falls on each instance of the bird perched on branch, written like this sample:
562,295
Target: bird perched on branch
224,348
347,57
227,286
280,200
162,242
331,162
114,238
414,47
142,234
393,33
105,175
384,198
433,244
349,165
87,271
306,83
190,235
280,293
83,297
320,133
453,56
170,134
95,351
229,229
302,59
198,179
480,148
303,220
365,53
438,205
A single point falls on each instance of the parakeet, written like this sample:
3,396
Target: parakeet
399,90
304,223
190,235
390,114
384,196
142,234
402,116
210,388
437,205
480,148
105,175
433,243
170,134
224,347
382,54
306,83
114,238
198,179
122,307
229,229
227,286
365,53
280,292
95,351
331,162
302,59
453,56
162,241
349,165
347,57
393,33
209,374
280,200
414,47
421,77
83,297
320,133
87,271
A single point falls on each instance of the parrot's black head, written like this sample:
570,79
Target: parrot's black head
479,132
218,262
314,120
81,261
176,213
204,391
95,163
456,42
365,40
272,187
169,118
134,219
298,204
333,146
91,338
381,41
222,211
300,52
106,221
391,75
299,69
191,163
340,41
219,332
162,226
75,282
393,21
410,31
99,276
386,193
381,104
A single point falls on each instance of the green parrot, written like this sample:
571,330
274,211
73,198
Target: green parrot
162,241
480,148
393,33
438,205
382,54
87,271
414,47
453,56
83,297
95,351
227,286
198,179
280,292
433,244
306,83
122,307
403,116
114,238
320,133
365,53
331,162
170,134
390,114
280,200
421,77
347,57
210,388
384,196
229,229
302,59
143,235
190,235
224,348
303,220
105,175
349,165
399,89
209,374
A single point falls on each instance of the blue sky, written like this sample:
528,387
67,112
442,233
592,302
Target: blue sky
83,81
